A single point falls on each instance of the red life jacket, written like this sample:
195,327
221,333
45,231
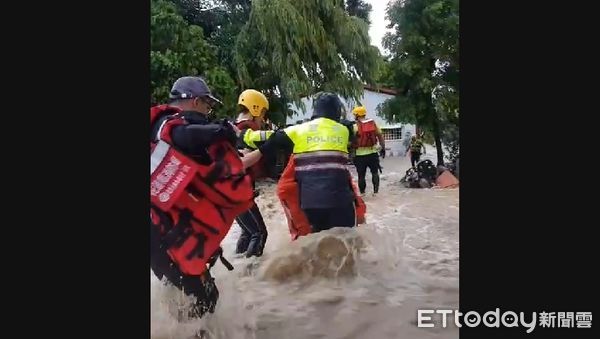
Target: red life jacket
256,171
193,204
367,133
247,123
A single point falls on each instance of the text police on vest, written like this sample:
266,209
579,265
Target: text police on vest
321,139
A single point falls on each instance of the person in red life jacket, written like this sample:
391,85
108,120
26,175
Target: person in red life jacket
367,136
198,186
320,154
253,107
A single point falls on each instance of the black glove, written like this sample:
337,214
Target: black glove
227,132
382,153
206,300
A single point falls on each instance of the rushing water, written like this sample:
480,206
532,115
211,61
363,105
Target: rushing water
359,283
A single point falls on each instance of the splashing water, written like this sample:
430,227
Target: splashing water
366,282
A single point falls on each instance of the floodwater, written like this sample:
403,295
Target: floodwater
366,282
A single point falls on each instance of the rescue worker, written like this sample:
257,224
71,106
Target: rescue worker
253,106
416,144
351,150
198,187
320,154
367,136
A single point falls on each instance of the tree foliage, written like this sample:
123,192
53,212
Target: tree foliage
423,66
179,49
295,48
285,48
384,75
359,8
221,21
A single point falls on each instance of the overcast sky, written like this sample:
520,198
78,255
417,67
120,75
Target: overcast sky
378,22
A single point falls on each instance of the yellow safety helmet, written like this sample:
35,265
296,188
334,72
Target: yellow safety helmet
359,111
254,101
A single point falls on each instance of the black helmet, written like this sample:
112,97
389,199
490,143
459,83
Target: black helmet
327,105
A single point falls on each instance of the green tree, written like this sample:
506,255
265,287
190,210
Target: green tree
290,49
287,49
424,66
384,76
179,49
359,8
221,21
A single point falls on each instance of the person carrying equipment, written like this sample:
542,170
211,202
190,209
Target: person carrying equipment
198,186
325,193
367,136
253,107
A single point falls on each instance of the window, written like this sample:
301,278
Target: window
392,133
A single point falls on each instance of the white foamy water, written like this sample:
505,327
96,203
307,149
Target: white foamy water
360,283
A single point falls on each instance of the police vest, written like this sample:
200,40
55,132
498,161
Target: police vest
415,146
320,134
321,144
253,138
